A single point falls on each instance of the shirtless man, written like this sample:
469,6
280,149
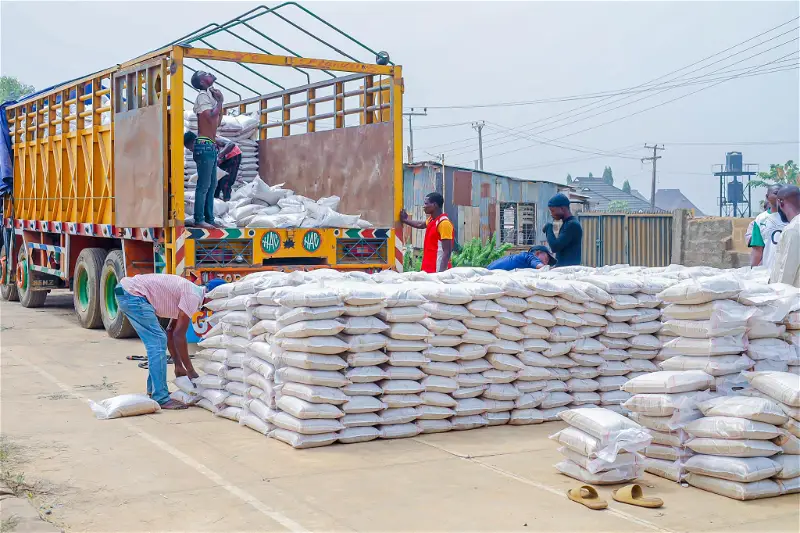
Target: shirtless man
208,108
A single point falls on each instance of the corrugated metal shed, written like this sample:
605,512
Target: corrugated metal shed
474,200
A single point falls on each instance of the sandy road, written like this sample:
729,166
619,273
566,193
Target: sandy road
190,471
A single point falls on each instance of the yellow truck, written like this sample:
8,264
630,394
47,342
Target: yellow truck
98,167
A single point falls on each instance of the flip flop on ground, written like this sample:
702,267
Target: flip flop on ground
633,495
587,495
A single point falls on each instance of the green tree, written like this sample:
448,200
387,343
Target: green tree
13,89
778,175
626,187
569,179
590,175
617,205
608,176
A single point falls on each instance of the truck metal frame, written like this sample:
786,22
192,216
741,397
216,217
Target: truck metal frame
99,175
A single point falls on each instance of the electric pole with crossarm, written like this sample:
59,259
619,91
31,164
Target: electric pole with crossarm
654,158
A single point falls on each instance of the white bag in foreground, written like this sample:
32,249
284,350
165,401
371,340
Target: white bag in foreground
124,405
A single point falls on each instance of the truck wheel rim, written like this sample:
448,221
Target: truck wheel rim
82,288
22,275
110,299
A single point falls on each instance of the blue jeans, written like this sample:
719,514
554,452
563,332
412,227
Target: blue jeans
144,320
205,155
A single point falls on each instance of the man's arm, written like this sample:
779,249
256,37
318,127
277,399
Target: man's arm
756,246
447,250
569,233
412,223
178,345
225,145
534,261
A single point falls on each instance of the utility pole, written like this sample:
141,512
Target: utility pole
411,130
654,158
478,126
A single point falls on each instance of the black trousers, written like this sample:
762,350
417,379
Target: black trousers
231,166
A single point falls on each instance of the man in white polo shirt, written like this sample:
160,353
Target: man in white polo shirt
767,229
146,297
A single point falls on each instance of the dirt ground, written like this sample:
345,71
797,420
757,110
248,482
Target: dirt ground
190,471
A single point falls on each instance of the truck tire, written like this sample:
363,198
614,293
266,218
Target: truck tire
114,320
27,297
86,287
8,292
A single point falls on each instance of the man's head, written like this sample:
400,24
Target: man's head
772,198
210,286
434,202
202,80
789,201
188,140
543,254
559,207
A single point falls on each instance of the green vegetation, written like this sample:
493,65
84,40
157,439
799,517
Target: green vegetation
13,89
618,205
608,176
778,175
477,254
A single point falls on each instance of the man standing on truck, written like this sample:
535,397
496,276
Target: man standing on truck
146,297
439,232
208,108
567,246
228,159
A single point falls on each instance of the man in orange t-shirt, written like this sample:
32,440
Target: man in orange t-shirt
439,234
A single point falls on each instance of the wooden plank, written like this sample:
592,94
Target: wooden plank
139,168
354,163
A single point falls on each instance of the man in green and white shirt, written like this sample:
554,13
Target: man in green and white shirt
767,230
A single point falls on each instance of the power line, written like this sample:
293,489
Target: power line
685,83
650,82
723,79
624,116
551,163
564,146
746,143
599,95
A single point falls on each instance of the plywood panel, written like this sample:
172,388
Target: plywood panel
356,164
140,197
469,224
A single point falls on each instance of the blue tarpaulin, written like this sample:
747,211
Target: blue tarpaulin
6,157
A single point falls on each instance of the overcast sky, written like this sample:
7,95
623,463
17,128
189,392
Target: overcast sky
477,53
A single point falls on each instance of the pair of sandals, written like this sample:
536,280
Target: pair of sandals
631,494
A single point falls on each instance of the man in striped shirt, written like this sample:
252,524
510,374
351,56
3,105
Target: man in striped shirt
146,297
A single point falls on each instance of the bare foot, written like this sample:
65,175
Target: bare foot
173,405
206,225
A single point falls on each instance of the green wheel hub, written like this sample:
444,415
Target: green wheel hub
82,288
111,300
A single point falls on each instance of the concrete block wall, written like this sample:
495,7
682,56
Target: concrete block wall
709,241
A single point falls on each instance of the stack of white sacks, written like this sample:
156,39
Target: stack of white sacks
221,388
792,324
747,447
600,446
241,129
706,329
664,402
351,357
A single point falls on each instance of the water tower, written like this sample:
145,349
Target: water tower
735,196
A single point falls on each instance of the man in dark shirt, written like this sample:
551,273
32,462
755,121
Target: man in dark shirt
567,246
